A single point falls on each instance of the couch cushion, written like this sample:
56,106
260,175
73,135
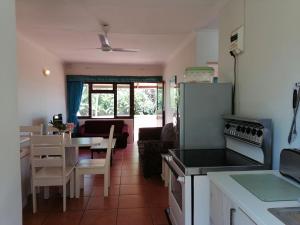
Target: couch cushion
103,126
168,133
149,133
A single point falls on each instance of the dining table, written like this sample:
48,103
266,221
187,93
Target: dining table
73,144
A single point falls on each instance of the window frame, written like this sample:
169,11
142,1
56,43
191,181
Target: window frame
115,93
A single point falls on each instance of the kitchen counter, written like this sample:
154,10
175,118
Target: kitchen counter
256,209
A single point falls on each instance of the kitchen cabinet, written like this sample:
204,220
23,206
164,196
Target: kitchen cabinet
223,211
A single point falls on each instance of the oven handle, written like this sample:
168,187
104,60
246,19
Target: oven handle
174,168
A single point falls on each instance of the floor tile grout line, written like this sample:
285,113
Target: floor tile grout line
85,208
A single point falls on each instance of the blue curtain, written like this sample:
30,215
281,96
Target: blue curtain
74,92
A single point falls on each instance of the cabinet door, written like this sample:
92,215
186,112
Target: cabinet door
233,215
241,218
216,205
223,211
229,209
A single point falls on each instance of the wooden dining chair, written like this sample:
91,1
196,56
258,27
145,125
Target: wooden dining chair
50,171
32,130
96,166
29,131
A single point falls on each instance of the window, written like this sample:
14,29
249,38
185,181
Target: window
102,87
103,105
123,99
106,100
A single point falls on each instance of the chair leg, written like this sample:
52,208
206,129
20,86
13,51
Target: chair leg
108,177
64,197
106,184
77,183
72,185
33,199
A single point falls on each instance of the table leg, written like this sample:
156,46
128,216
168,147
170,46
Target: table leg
72,156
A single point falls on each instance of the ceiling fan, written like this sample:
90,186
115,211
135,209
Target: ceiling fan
105,45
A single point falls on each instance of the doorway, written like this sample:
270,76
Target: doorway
148,106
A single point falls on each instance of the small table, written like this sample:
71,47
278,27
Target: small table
102,146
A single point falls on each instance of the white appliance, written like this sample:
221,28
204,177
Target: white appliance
248,147
237,41
200,109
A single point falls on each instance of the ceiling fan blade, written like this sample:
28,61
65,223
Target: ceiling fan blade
88,48
124,50
104,41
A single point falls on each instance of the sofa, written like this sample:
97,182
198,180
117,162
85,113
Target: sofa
153,142
100,128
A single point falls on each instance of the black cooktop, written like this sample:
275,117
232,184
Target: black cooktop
201,161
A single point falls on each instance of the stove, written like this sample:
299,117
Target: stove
248,147
194,162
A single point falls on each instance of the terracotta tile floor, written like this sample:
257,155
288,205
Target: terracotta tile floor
132,200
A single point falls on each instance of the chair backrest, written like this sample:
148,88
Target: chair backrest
32,130
53,130
45,146
168,133
109,147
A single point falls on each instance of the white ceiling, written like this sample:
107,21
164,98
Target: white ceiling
69,28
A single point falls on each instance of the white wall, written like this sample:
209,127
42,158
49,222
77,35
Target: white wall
183,57
39,97
207,46
112,69
269,67
10,187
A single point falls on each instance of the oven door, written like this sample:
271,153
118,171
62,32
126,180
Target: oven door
179,196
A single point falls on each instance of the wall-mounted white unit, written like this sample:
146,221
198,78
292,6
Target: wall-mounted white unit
237,41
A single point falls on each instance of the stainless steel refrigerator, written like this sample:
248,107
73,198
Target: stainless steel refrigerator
199,118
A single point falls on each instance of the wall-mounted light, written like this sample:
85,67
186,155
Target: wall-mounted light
46,72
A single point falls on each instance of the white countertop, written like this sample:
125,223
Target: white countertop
256,209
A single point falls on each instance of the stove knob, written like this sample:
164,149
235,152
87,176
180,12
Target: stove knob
259,133
243,129
248,130
253,132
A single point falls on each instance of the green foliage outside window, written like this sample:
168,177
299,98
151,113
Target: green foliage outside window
147,101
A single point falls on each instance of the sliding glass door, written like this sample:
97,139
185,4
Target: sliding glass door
148,106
